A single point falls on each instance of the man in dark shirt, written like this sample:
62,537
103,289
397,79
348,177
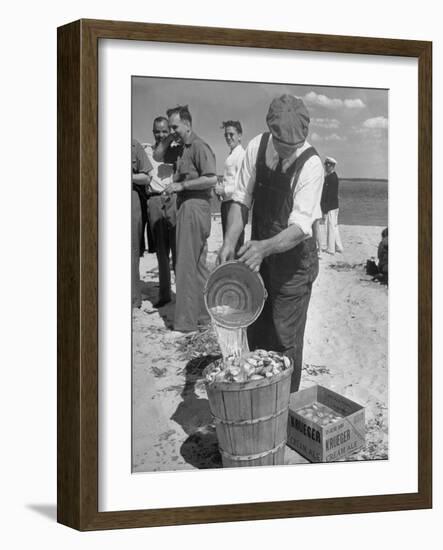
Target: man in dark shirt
329,207
161,209
141,168
194,180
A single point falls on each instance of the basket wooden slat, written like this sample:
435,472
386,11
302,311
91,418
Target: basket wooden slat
251,419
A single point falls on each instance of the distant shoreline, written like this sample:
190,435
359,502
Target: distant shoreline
369,180
375,180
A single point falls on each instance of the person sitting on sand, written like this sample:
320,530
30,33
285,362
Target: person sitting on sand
383,253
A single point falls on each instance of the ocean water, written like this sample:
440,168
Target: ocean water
361,201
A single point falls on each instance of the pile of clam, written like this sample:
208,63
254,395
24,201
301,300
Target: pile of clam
319,413
255,365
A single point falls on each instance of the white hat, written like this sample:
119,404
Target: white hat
331,160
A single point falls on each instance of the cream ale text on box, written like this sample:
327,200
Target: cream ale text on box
327,443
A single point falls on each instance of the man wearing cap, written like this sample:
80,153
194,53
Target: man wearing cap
329,206
281,178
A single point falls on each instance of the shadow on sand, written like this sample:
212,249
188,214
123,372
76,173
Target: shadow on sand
149,290
193,414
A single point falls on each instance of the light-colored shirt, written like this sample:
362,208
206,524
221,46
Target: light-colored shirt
140,161
307,192
233,164
162,173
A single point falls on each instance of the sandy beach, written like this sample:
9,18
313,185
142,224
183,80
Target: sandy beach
345,350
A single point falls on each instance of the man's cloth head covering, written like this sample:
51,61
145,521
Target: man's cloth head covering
331,160
288,120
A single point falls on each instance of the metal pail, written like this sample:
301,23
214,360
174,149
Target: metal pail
234,295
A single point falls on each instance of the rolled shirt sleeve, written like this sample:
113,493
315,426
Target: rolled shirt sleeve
307,195
245,180
232,168
143,165
205,160
307,192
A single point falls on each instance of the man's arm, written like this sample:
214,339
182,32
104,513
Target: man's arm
142,173
198,184
203,182
204,161
306,199
235,227
141,179
253,253
160,150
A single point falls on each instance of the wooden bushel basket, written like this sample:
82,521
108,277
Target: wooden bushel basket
251,419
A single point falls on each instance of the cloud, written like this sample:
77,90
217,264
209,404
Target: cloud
334,137
325,122
376,122
321,100
354,103
329,137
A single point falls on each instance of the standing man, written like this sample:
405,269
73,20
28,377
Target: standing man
329,206
282,176
161,209
194,180
141,167
225,189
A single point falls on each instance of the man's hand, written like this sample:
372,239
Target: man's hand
219,189
225,254
174,187
252,254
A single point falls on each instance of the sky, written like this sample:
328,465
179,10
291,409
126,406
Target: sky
349,124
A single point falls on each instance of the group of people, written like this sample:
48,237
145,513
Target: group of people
279,177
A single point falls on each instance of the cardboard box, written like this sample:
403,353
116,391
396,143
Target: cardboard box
325,443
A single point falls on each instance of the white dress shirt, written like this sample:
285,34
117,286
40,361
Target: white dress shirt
232,167
162,173
307,192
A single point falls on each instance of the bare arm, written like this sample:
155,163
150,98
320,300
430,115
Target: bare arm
235,227
285,240
141,178
252,253
203,182
160,149
198,184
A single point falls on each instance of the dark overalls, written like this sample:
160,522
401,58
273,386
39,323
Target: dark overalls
287,276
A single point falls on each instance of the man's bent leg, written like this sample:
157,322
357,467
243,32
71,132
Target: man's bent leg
289,312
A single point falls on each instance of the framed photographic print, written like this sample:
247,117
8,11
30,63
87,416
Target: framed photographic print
244,275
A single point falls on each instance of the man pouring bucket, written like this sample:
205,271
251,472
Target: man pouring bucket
281,179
